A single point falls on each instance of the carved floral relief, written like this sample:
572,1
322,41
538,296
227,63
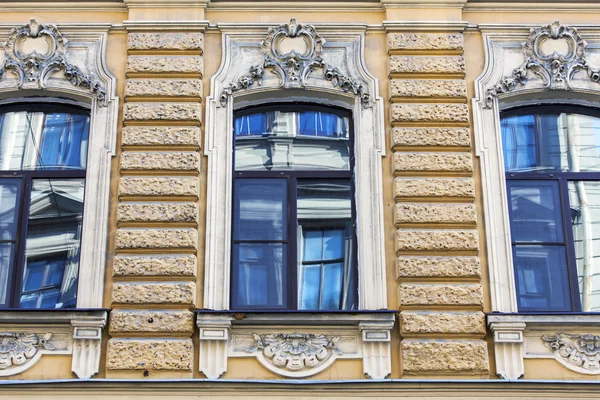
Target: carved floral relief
577,352
555,68
295,354
17,348
293,66
34,66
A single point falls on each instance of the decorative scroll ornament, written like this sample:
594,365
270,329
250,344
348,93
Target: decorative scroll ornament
32,67
555,69
295,354
294,67
580,353
18,348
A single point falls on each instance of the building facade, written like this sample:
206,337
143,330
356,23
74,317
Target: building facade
294,199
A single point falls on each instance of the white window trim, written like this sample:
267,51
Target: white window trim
515,335
242,44
87,50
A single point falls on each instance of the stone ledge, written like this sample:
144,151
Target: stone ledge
425,41
165,41
433,162
409,213
175,161
451,137
162,112
165,64
150,354
431,322
156,238
438,267
427,112
434,187
154,293
158,186
157,212
163,88
173,321
161,135
427,64
441,356
434,88
437,240
155,265
418,294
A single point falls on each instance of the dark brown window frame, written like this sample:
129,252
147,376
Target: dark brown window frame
292,218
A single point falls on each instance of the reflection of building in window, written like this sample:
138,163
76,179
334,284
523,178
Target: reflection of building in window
43,155
294,240
552,162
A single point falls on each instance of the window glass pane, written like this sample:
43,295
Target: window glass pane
584,198
9,208
551,142
535,211
260,209
260,274
541,278
280,140
325,235
6,260
53,242
37,140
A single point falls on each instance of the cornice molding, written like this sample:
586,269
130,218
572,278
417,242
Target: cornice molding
420,26
298,6
62,6
532,7
423,3
166,3
162,26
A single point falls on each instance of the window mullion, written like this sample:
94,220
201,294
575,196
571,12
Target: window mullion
569,244
20,248
293,284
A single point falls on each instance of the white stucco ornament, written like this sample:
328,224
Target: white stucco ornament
19,348
580,353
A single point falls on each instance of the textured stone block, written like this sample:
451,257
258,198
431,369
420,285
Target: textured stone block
414,294
154,293
442,356
155,265
408,213
165,64
157,212
428,322
431,137
158,186
433,162
161,135
434,187
425,112
150,354
425,41
163,87
166,41
162,112
180,161
156,238
438,267
174,321
452,88
427,64
436,240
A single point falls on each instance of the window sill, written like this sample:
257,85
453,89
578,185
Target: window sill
520,336
36,333
364,334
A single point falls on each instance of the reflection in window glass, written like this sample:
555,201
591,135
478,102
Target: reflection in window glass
326,273
53,243
10,190
584,198
37,140
279,140
551,142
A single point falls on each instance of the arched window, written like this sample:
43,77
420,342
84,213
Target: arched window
294,238
43,157
552,164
